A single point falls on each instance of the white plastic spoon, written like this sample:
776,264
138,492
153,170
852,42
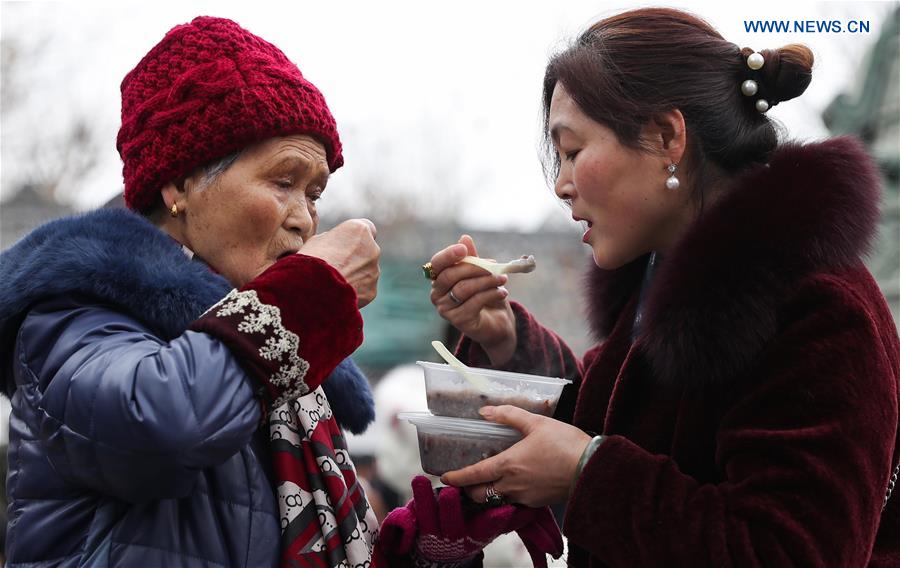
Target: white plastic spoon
523,265
474,380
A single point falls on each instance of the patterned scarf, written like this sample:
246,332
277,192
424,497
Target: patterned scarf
326,520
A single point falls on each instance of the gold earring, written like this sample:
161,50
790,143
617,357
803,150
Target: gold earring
174,210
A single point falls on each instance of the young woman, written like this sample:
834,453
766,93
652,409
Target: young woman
741,406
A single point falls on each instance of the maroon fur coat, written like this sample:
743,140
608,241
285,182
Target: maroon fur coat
754,420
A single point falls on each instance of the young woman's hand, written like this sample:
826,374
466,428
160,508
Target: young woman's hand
478,306
539,470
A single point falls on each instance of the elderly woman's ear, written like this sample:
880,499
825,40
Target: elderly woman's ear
176,192
172,205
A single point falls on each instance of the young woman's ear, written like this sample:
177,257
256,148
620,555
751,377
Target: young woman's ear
665,132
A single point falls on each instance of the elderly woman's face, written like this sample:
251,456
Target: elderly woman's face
260,209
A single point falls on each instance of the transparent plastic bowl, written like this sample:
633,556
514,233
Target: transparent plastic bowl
450,394
446,444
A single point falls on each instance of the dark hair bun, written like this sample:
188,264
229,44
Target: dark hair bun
626,68
787,71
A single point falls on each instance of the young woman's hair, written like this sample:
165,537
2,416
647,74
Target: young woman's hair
628,67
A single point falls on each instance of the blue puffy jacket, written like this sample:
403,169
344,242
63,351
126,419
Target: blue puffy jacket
132,441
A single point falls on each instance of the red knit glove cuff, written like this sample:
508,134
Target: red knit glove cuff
474,561
289,327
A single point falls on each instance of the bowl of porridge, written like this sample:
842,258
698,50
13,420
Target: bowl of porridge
447,444
451,394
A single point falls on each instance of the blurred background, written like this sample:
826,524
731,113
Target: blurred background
438,106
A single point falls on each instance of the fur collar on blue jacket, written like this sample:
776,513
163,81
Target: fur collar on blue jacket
119,257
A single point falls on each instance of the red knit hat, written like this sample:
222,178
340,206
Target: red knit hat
207,90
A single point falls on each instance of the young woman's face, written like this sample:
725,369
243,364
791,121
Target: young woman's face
260,209
619,192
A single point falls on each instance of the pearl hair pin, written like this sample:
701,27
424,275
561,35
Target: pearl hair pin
755,61
749,88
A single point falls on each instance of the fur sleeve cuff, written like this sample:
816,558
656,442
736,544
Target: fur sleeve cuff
289,327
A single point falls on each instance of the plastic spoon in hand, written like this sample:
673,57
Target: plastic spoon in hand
474,380
524,264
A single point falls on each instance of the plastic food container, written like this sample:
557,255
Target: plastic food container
446,444
450,394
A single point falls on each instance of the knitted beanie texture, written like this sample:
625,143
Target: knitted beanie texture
209,89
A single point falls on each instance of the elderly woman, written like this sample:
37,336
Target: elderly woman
173,372
742,406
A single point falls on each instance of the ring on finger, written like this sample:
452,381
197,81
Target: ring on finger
493,497
453,297
428,270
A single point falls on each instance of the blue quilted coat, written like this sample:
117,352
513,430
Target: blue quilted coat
132,441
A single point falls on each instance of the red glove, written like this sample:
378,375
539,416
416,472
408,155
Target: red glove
444,528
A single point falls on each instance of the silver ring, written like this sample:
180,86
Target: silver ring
453,297
493,497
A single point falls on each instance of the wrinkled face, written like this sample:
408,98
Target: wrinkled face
618,192
260,209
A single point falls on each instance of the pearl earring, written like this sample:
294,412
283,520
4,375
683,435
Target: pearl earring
672,181
174,210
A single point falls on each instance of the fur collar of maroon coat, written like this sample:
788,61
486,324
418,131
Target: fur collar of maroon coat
713,303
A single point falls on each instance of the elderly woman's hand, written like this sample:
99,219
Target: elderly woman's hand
351,249
479,307
538,470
